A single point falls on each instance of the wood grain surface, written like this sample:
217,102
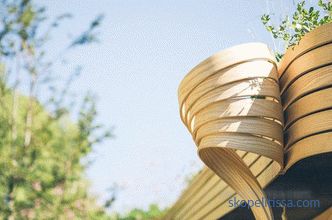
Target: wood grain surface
231,102
252,119
306,82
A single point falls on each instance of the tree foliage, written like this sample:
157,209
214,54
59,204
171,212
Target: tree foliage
293,28
41,145
153,213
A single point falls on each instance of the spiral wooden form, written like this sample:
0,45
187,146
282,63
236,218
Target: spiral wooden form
229,103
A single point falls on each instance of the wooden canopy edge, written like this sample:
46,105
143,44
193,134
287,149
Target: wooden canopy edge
207,195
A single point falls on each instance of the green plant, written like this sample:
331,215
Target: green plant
45,132
152,213
303,20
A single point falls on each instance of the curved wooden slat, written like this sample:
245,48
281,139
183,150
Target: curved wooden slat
198,182
257,145
223,59
198,186
314,39
201,206
313,145
213,187
212,106
205,189
306,82
234,172
230,75
234,74
217,197
248,88
309,104
310,61
245,90
263,127
240,108
312,81
216,210
310,125
224,113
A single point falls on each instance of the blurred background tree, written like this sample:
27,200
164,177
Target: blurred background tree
41,145
154,212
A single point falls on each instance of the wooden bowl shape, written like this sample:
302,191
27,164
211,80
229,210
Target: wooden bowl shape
306,91
230,103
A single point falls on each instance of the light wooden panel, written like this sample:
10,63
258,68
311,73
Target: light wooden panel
232,129
231,102
306,82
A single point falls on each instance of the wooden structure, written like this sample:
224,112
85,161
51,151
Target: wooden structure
252,120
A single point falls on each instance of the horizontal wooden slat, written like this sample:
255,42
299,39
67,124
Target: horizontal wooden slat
309,104
237,108
307,126
318,37
310,82
244,142
313,145
306,82
263,127
228,108
244,89
221,60
264,179
259,69
310,61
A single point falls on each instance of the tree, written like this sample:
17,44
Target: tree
41,146
153,213
302,21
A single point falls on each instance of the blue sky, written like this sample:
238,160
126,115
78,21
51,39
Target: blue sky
146,49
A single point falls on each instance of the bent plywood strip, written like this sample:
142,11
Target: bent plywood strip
315,38
204,190
309,61
222,101
248,88
313,145
231,126
313,124
236,108
222,60
309,104
306,82
313,81
231,104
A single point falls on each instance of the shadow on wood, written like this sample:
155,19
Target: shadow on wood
309,179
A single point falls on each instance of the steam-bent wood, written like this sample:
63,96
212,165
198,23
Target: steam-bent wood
231,105
231,102
307,105
313,81
306,82
310,61
314,39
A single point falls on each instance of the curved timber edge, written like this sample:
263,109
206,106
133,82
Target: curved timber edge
314,39
212,93
231,105
306,94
